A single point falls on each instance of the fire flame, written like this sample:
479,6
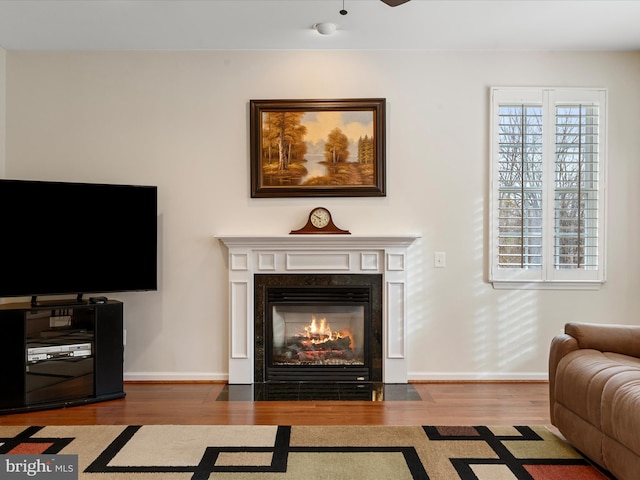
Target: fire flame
320,332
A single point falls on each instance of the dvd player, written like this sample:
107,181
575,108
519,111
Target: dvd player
38,354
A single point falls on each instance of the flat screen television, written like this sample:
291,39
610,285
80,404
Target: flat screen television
62,238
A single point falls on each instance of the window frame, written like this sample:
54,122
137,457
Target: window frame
547,277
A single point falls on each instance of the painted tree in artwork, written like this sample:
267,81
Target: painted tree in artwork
365,150
336,149
283,138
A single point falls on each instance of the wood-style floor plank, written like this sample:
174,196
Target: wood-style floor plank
191,404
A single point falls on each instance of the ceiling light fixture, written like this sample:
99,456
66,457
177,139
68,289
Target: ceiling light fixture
325,28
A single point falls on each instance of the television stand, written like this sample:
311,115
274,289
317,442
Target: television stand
60,355
54,303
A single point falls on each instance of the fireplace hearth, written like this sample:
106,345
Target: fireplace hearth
318,328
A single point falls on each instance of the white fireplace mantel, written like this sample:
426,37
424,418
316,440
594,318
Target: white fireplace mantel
348,254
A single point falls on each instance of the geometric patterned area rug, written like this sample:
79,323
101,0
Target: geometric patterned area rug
199,452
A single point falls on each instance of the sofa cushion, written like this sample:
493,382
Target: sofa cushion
623,359
621,407
582,376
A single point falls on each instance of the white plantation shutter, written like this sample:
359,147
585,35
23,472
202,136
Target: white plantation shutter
576,186
520,186
547,188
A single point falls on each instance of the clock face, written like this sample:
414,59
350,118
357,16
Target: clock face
320,217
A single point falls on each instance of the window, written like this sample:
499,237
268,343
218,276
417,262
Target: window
548,187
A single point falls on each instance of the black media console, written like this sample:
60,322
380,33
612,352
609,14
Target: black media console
60,355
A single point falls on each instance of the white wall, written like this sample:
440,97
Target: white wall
179,120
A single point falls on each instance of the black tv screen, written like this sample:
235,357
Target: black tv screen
62,238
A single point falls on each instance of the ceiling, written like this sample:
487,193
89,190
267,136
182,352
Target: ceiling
287,25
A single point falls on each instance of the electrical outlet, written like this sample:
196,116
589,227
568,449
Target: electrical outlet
439,259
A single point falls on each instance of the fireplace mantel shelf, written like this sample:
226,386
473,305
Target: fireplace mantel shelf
318,241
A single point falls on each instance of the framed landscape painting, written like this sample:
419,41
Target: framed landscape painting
317,148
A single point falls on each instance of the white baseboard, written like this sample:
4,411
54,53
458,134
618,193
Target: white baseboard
475,376
175,377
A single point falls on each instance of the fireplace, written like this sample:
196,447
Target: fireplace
318,328
315,255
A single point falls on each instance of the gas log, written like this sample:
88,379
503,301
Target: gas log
303,349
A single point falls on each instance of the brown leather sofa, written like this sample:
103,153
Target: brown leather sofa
594,389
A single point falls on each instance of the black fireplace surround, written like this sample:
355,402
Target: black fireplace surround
353,355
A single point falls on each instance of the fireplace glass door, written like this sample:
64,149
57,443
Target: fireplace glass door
318,334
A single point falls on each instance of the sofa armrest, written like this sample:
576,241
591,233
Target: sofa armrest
560,346
623,339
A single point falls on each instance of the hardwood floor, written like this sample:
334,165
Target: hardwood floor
185,403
